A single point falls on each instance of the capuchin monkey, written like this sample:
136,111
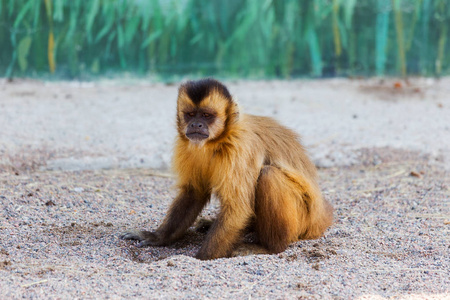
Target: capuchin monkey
256,167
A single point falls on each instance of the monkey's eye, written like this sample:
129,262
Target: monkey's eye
190,114
206,115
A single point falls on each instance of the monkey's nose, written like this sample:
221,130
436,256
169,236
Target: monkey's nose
196,125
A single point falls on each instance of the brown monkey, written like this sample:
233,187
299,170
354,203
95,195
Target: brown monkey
256,167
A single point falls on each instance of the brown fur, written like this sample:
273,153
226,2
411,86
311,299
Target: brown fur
256,167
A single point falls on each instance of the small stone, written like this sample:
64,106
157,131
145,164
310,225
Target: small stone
415,174
78,189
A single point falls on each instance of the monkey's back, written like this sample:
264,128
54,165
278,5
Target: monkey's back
281,145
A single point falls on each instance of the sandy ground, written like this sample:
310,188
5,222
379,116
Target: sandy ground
77,167
128,124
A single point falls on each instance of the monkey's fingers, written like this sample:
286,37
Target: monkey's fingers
129,236
138,235
146,238
145,243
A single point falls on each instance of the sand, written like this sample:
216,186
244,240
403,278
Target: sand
82,162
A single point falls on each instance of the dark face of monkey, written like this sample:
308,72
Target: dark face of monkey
197,124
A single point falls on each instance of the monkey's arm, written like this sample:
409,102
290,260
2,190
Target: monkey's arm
182,213
227,229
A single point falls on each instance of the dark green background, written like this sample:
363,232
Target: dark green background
229,38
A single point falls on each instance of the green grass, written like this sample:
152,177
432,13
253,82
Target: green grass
235,38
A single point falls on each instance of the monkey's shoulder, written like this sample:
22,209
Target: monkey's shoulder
280,145
269,128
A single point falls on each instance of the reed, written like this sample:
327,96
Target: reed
237,38
400,38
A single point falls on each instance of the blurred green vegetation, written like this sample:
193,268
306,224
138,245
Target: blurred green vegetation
233,38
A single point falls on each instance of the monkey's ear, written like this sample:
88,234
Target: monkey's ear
234,112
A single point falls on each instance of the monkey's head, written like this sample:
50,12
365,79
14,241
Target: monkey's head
205,110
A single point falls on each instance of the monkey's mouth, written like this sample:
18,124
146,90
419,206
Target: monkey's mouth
197,136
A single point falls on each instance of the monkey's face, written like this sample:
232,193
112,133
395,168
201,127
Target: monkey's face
197,122
204,110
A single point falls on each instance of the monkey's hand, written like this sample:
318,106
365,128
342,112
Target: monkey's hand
146,238
203,225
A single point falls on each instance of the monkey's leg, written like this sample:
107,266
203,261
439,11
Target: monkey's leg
225,232
276,210
182,213
315,214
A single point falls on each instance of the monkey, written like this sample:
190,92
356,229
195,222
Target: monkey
257,169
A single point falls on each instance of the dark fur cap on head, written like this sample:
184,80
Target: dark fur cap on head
199,89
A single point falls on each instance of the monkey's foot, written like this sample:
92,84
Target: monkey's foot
246,249
146,238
